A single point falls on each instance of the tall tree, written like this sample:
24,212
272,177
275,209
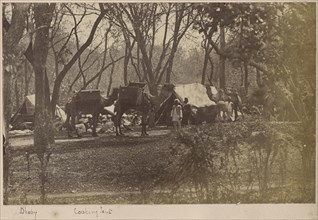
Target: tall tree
12,35
207,51
43,130
222,59
36,54
183,14
61,75
141,24
260,36
240,18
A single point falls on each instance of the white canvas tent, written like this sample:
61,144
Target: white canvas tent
111,108
26,111
196,93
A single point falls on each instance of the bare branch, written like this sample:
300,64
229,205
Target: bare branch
101,71
64,71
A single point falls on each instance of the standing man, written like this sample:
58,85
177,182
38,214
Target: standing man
186,112
176,114
237,104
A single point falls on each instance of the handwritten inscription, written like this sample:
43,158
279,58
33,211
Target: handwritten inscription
28,211
94,212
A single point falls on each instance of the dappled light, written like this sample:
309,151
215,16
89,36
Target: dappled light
159,103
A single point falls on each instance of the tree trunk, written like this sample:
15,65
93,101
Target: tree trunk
26,78
147,67
43,130
12,34
126,61
17,94
205,62
246,83
104,56
258,78
176,38
210,77
222,59
171,58
67,67
98,78
111,75
7,102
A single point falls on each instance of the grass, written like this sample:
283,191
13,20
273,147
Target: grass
136,170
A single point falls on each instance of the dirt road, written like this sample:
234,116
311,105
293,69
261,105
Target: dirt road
18,142
88,166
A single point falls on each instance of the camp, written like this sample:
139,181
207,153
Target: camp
24,116
203,108
166,103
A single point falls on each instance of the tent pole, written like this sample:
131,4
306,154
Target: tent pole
165,108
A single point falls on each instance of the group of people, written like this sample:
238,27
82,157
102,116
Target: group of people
228,101
180,114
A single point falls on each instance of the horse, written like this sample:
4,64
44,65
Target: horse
73,109
145,105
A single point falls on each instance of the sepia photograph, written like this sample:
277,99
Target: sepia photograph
110,104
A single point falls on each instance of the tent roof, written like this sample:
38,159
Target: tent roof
29,103
214,90
31,99
110,108
196,93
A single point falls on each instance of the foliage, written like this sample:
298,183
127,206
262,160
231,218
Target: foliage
247,23
151,38
164,169
265,145
238,162
196,162
288,57
278,39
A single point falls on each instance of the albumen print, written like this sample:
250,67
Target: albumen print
205,104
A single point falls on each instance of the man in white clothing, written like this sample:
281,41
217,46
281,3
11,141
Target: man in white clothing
176,114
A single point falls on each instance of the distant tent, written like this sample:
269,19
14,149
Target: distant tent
197,95
26,112
109,110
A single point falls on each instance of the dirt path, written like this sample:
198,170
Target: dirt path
131,169
106,166
28,141
84,194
